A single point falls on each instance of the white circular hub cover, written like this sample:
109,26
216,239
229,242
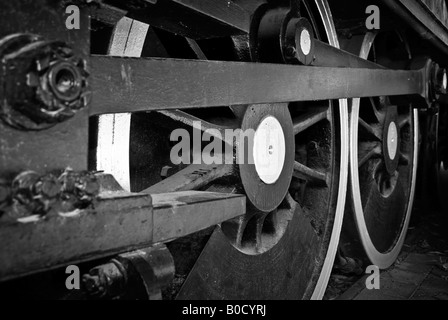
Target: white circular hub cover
445,81
305,42
269,150
392,140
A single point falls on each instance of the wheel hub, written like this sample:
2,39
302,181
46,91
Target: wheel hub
280,36
391,140
267,174
269,150
305,41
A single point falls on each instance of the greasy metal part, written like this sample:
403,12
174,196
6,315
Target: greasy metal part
197,84
61,239
106,281
33,194
115,222
299,39
152,268
435,79
61,146
267,35
278,35
42,82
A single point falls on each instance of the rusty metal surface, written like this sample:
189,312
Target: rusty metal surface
32,194
83,235
115,222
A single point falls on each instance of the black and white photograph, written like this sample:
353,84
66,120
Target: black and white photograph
224,155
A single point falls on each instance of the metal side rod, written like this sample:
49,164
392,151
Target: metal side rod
133,85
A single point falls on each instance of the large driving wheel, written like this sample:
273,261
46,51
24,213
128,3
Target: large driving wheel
284,247
383,160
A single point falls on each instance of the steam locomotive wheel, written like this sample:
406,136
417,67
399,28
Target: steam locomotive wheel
383,159
284,247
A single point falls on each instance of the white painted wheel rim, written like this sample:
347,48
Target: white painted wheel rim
381,259
324,276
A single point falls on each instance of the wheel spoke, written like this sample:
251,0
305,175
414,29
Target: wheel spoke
367,151
259,223
310,118
239,111
196,49
373,130
312,176
403,120
404,159
187,119
380,116
240,226
193,177
292,204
